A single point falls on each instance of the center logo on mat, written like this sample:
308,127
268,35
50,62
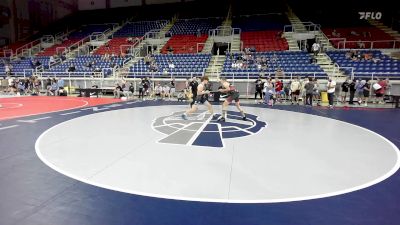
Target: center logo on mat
201,130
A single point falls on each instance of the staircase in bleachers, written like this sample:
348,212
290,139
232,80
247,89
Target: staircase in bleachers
395,34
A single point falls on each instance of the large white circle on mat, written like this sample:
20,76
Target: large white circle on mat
291,157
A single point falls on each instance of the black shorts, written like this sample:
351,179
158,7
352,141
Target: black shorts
366,93
378,95
200,100
297,92
233,96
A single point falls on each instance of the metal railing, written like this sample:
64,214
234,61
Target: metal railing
168,75
21,50
285,75
368,44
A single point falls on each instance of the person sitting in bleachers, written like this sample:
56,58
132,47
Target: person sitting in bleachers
366,34
153,67
53,88
279,35
129,40
170,49
368,56
279,73
117,90
335,34
71,68
354,33
171,65
360,44
36,63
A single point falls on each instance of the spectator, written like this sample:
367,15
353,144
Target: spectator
259,87
170,49
366,91
316,48
359,90
172,88
352,88
380,89
158,92
279,73
278,89
165,91
360,44
335,34
309,88
118,90
60,88
129,40
316,92
331,87
269,92
141,89
295,90
53,88
8,69
354,33
71,68
52,60
36,63
366,34
171,65
345,89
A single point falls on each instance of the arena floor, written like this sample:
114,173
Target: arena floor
132,162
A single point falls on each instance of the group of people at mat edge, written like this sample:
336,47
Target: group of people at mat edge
201,94
309,90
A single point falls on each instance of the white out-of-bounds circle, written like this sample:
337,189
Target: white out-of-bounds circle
297,157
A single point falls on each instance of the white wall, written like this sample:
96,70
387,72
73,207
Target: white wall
91,4
124,3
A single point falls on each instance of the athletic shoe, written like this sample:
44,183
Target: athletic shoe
215,116
184,117
244,118
222,119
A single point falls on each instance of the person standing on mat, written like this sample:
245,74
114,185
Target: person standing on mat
232,94
201,98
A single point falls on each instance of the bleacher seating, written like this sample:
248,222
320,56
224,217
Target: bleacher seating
138,29
186,65
81,63
184,44
4,51
53,49
75,37
114,46
264,41
20,68
386,67
297,63
262,31
193,26
273,21
376,34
